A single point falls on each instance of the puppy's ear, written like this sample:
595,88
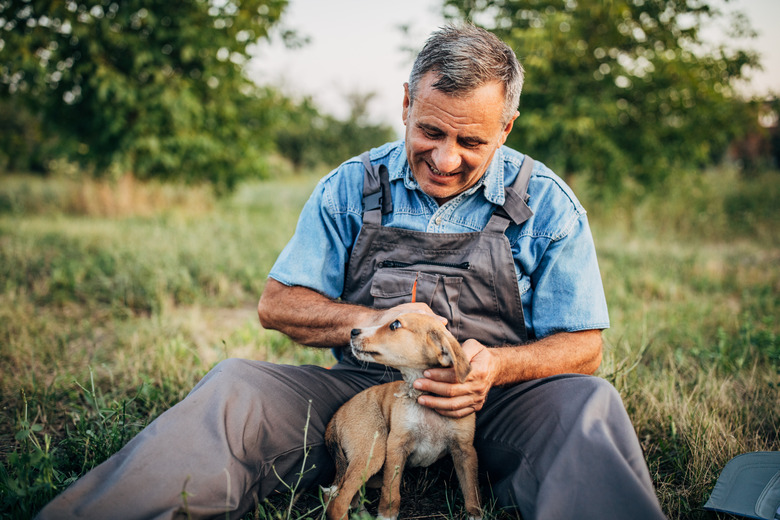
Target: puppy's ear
451,353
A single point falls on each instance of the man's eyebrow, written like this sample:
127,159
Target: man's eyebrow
429,128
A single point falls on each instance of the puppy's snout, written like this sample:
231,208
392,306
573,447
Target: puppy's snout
355,333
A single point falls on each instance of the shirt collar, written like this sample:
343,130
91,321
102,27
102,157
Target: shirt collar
492,181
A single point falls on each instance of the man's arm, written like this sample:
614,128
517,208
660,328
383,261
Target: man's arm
313,319
561,353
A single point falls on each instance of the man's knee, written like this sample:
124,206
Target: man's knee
570,397
598,400
534,429
232,369
237,375
601,388
582,385
225,371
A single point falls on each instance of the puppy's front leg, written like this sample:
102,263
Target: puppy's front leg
464,458
395,460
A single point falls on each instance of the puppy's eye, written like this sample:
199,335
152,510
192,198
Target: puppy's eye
395,325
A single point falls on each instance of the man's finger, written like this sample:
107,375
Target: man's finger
435,387
451,407
442,375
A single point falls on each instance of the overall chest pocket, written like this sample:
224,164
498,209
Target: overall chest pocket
393,284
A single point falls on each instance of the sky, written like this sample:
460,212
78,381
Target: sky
357,46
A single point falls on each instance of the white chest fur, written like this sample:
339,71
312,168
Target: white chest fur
429,435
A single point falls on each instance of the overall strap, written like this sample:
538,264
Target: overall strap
377,200
515,209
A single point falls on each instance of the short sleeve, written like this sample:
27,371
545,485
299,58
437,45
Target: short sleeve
316,256
567,291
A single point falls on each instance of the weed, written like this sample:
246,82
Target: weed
293,487
29,477
101,428
312,506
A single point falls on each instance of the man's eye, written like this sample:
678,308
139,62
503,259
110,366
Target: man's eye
430,134
395,325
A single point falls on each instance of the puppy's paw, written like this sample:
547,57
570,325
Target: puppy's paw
329,493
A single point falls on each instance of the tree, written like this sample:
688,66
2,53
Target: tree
620,89
151,87
22,142
309,138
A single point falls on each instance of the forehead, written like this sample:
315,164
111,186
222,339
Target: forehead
478,112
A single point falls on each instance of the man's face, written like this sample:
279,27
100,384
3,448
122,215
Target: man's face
450,141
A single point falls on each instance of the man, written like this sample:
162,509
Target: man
483,237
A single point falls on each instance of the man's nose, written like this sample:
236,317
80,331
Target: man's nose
446,157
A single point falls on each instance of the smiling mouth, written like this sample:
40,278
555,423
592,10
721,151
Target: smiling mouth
439,173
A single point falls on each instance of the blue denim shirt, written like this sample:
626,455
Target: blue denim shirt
555,259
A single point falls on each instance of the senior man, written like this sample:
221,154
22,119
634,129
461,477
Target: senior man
481,235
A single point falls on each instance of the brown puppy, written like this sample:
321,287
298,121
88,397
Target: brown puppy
384,427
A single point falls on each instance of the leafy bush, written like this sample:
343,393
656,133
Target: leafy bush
624,91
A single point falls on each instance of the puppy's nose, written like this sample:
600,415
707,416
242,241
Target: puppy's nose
355,333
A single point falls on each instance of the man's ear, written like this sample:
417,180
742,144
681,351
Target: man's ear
507,129
407,103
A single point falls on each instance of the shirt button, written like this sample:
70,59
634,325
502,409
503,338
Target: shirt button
438,221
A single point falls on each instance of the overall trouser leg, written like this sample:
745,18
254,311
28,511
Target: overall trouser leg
564,447
221,448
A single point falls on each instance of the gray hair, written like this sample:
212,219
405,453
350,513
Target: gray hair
466,58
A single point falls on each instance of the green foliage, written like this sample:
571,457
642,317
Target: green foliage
28,478
35,472
624,90
154,88
100,428
23,144
309,138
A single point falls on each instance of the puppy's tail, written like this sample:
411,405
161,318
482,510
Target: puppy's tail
337,454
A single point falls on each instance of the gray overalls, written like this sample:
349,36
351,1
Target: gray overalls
468,278
561,447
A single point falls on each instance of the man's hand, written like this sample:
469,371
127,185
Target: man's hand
454,399
560,353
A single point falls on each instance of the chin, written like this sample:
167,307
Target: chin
440,187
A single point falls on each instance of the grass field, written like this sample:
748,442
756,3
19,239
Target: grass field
116,298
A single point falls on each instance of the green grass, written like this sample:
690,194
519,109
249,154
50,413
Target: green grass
692,276
116,299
